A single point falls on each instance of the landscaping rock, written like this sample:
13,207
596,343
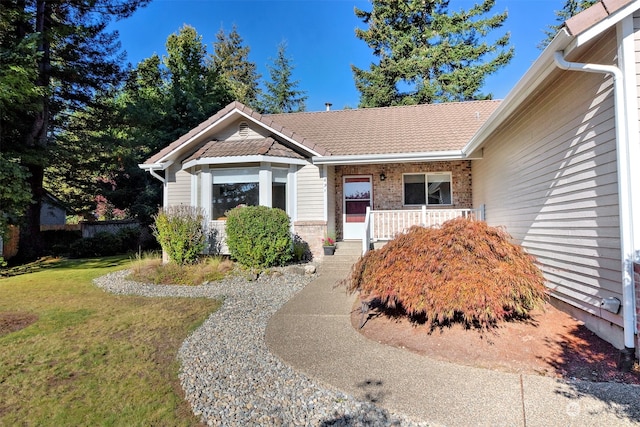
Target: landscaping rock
229,376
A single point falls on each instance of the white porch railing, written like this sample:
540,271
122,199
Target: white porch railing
386,224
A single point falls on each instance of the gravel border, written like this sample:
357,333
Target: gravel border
229,376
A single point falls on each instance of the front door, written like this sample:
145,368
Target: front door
357,192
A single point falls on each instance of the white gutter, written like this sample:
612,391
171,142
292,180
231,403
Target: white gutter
156,166
624,189
520,93
389,158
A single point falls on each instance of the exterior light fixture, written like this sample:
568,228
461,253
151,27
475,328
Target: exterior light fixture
382,176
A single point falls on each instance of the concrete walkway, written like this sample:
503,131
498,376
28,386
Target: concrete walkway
313,334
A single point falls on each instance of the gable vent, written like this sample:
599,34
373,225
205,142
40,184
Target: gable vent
243,129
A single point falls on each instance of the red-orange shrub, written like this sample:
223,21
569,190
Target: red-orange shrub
463,271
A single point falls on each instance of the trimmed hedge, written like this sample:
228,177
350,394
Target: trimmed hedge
258,236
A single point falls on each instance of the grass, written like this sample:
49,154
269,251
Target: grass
148,268
92,358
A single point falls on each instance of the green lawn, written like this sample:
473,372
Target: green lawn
92,358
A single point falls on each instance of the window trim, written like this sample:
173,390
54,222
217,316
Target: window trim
426,181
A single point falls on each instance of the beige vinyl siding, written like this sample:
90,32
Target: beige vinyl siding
549,176
310,194
178,186
231,132
331,197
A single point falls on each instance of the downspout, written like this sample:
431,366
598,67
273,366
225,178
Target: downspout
155,175
624,189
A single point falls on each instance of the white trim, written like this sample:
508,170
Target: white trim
627,63
265,182
426,186
325,193
389,158
242,159
206,181
292,193
230,116
603,25
195,182
349,234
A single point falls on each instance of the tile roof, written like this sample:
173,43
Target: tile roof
246,147
594,14
390,130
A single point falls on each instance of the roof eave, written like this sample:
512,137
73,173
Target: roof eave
534,76
156,165
563,41
243,159
433,156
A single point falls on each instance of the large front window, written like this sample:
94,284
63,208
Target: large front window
242,186
427,188
228,196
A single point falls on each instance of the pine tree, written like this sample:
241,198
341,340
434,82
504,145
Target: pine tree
571,8
282,95
427,53
75,58
231,60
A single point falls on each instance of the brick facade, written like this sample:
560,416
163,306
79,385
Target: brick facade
387,194
312,232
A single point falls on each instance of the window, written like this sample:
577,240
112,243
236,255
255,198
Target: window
228,196
241,186
427,188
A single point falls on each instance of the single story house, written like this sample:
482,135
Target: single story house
553,163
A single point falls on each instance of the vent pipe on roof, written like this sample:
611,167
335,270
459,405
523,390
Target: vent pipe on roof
328,106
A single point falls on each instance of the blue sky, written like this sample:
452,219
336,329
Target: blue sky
320,37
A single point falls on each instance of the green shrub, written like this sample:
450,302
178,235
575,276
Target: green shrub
464,271
258,236
57,242
180,232
103,243
301,250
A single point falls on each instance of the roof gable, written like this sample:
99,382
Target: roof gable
197,135
390,130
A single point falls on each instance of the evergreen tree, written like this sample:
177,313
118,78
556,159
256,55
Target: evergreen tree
155,106
282,95
571,8
196,88
427,53
231,59
75,58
